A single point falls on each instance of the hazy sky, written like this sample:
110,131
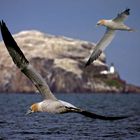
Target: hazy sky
77,19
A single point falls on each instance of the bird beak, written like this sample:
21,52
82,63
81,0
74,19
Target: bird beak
29,112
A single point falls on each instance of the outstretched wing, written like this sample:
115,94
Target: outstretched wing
101,45
122,16
23,64
96,53
101,117
93,115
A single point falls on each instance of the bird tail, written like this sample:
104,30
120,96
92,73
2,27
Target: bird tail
96,116
12,47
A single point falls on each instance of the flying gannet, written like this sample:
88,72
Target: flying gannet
50,103
111,26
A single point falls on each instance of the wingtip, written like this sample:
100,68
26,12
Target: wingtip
87,64
102,117
127,11
2,24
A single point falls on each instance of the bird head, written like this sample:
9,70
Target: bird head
33,108
101,22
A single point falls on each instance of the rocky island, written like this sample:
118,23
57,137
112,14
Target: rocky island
60,60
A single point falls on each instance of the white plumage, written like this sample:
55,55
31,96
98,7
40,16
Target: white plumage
111,26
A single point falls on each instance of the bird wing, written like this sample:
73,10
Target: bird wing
122,16
94,115
101,45
23,64
101,117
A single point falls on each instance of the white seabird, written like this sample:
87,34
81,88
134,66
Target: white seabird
50,103
111,26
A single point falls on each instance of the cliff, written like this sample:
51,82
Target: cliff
60,60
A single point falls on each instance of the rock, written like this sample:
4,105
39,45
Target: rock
60,60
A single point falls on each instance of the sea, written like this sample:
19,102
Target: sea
16,125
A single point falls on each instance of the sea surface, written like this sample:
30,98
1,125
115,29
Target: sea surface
15,125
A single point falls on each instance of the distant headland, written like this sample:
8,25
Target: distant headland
60,60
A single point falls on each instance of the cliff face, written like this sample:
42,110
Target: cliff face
60,60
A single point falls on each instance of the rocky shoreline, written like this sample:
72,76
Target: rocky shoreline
60,60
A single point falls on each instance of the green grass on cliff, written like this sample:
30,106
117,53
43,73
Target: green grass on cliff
113,83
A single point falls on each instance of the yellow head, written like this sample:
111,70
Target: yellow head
33,108
101,22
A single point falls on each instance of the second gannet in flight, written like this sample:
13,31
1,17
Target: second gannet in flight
50,103
111,25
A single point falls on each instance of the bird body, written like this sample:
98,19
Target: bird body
50,103
111,24
51,106
111,27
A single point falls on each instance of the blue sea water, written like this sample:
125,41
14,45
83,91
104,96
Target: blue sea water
15,125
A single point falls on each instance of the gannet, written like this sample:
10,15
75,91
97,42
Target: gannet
50,103
111,26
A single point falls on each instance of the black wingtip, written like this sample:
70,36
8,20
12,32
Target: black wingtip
127,11
10,43
6,35
2,23
87,63
96,116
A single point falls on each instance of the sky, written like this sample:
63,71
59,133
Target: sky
77,19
